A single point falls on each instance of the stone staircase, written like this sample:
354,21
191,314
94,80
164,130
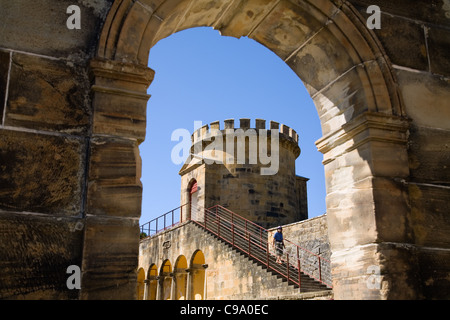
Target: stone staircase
277,286
251,241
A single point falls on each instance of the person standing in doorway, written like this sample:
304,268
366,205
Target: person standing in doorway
278,243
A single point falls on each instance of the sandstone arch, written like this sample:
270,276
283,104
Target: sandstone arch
165,284
152,282
197,276
387,204
307,35
349,78
180,278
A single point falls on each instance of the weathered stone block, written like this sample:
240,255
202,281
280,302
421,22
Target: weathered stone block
369,272
392,211
340,102
421,11
429,155
430,221
35,254
242,17
40,27
286,34
351,220
318,52
47,95
110,258
120,98
434,266
412,37
425,98
41,173
438,47
114,188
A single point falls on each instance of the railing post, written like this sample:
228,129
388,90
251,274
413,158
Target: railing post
249,243
232,233
260,236
204,216
320,269
298,266
268,255
287,260
218,225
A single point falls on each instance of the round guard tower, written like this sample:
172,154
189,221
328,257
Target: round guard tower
250,171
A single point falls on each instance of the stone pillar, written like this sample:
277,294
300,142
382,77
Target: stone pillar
180,278
150,293
367,209
173,289
146,288
189,284
159,288
114,190
205,287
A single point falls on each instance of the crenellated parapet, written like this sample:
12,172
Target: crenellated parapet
288,137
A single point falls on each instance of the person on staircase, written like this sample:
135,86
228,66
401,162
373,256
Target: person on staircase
278,243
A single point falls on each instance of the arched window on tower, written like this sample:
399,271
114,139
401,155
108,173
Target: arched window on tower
193,200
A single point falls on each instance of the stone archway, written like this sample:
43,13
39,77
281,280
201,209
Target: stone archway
349,78
180,279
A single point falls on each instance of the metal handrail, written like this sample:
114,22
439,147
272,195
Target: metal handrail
246,236
161,223
257,238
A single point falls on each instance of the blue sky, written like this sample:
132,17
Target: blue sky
202,76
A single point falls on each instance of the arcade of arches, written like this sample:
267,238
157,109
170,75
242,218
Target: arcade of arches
174,283
73,113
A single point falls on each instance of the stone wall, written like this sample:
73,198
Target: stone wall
73,100
312,235
416,38
229,274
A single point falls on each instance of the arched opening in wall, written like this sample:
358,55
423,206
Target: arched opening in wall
180,277
218,78
346,72
140,284
166,281
193,198
152,282
198,276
